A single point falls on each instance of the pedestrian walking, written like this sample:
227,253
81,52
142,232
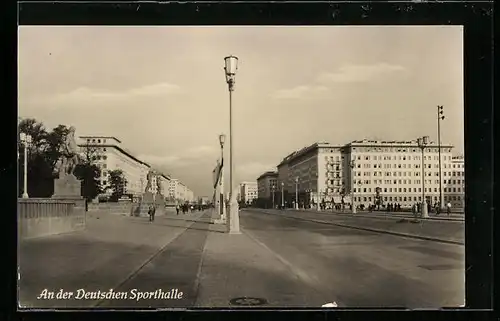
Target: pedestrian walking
151,212
177,209
448,208
437,208
414,210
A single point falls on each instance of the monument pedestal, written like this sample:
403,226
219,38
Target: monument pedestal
67,187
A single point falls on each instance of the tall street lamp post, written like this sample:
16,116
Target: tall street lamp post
440,117
353,204
422,143
230,68
222,207
297,193
25,140
282,195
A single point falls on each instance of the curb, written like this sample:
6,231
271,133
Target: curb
397,216
426,238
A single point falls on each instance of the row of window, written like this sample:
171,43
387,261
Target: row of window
358,173
402,157
407,190
405,181
403,166
96,140
404,198
99,157
402,150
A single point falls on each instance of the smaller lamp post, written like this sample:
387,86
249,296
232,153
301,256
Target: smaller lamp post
26,141
273,188
308,198
422,143
297,193
353,204
282,195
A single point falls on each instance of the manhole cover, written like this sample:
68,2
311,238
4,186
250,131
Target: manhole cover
438,267
247,301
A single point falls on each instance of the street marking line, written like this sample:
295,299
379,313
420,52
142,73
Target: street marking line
196,283
299,273
425,238
142,265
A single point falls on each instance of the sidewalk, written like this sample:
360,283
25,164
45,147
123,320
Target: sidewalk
442,231
110,249
237,266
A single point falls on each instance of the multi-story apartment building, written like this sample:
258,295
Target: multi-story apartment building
394,171
265,183
384,171
284,173
108,154
180,192
248,192
454,182
164,183
315,173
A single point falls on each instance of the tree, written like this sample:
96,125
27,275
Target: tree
89,153
91,184
55,140
117,184
89,172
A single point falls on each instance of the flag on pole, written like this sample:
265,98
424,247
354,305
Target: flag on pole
217,172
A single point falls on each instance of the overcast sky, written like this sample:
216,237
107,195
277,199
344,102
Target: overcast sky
162,90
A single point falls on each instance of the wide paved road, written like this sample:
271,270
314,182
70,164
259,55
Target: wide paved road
359,268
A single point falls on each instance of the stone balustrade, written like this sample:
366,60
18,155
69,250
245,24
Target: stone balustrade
43,216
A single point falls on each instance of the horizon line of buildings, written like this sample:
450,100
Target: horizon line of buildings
107,153
385,171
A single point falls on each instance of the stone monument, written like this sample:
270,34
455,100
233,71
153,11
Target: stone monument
152,196
67,186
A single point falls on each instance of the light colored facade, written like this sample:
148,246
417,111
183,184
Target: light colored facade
179,191
396,168
108,155
316,173
454,182
265,183
248,192
164,183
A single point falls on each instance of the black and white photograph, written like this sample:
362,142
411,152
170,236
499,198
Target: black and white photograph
241,167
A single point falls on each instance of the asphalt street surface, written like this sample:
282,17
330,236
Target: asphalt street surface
365,269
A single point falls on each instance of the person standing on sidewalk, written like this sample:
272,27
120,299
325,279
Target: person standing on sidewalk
177,209
414,210
448,208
